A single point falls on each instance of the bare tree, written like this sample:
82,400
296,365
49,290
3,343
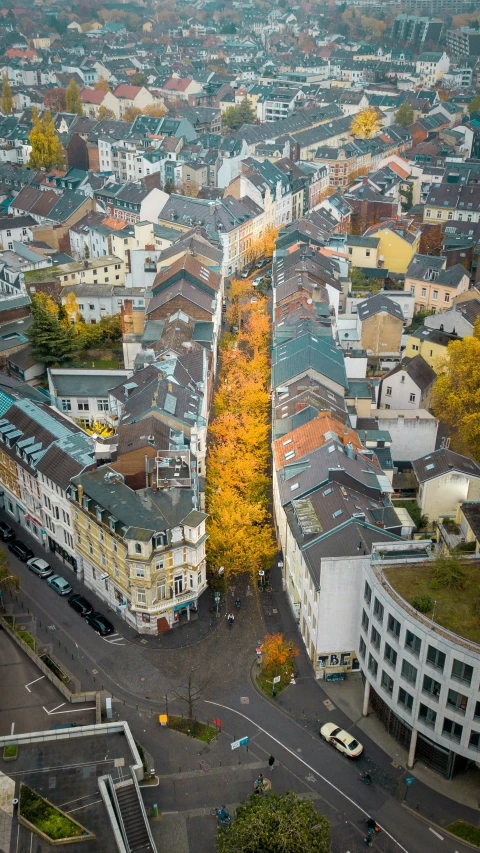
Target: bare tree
192,692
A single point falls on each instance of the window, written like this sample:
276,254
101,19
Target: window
139,571
435,294
474,740
389,390
431,687
387,683
428,214
477,710
413,643
178,585
405,699
457,701
83,407
435,658
462,671
160,565
372,665
378,610
409,672
439,214
427,715
66,405
362,647
102,405
424,291
390,655
161,589
141,596
393,626
375,638
412,398
138,548
365,621
367,593
451,729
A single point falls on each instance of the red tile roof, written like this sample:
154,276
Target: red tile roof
176,84
92,96
124,90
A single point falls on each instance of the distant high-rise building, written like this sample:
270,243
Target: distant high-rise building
416,30
463,42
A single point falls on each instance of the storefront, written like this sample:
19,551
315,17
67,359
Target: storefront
62,553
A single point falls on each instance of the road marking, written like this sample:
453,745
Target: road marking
436,833
27,686
53,709
114,640
71,711
308,766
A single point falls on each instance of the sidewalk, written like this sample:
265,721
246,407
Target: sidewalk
312,703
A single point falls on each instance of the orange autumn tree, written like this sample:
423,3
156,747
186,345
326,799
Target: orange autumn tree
237,484
277,652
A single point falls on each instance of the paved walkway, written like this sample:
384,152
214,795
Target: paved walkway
7,793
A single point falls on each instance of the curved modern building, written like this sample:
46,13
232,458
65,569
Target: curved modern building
421,679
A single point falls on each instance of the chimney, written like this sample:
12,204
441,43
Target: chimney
345,438
80,493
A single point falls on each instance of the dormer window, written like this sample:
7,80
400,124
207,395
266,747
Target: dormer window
138,548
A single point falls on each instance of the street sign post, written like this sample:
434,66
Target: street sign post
277,678
237,743
409,780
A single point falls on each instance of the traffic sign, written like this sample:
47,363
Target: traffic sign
216,722
277,678
408,780
236,743
261,573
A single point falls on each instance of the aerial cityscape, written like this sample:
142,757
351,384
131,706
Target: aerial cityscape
240,426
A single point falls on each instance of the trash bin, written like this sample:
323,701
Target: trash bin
163,719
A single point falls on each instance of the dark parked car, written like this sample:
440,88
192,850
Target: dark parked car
100,623
80,604
7,533
22,551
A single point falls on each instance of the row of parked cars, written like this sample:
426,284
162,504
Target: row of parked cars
43,570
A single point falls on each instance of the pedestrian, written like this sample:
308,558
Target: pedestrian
230,618
271,762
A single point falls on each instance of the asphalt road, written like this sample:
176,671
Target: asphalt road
139,678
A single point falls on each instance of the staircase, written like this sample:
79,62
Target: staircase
134,822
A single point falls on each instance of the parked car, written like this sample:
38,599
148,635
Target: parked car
65,726
244,273
99,623
258,281
80,604
59,584
39,567
7,533
260,264
341,740
22,551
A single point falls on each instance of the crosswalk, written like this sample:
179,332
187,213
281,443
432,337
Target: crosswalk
115,640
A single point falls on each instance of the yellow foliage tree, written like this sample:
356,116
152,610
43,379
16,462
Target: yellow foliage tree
277,652
101,85
456,393
71,308
269,237
47,149
131,113
365,124
156,111
105,113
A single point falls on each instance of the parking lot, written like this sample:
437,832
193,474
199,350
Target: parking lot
29,702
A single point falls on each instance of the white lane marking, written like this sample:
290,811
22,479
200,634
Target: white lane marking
12,728
114,640
436,833
295,755
27,686
53,709
71,711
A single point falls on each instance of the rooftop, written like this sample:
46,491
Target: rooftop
454,608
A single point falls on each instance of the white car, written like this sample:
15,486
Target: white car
341,740
39,567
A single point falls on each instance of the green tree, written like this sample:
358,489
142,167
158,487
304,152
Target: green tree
234,117
47,149
276,823
448,572
73,102
51,341
139,79
474,106
7,100
169,186
7,580
405,115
